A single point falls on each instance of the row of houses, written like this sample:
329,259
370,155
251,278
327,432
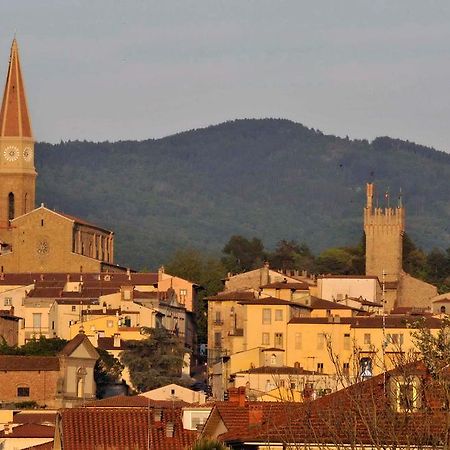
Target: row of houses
290,335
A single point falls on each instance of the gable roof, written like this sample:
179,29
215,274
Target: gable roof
361,414
17,363
93,428
74,343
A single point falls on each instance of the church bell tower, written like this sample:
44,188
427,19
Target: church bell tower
17,171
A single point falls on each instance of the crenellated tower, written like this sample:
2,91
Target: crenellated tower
384,228
17,171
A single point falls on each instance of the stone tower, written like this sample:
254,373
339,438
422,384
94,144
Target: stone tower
17,171
384,228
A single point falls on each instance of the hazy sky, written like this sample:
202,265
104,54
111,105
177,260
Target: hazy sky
109,70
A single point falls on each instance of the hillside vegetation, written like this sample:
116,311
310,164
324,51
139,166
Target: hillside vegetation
270,178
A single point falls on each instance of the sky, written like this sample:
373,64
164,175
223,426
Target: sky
113,70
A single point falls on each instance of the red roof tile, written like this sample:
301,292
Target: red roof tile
15,363
30,430
31,417
123,428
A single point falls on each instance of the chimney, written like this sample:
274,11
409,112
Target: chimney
94,339
129,274
117,340
161,272
8,428
104,308
170,428
237,395
255,413
68,277
11,311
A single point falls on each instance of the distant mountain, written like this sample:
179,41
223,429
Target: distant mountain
268,178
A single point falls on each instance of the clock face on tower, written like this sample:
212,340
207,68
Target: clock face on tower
11,153
27,154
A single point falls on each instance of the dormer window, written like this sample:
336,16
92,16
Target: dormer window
406,394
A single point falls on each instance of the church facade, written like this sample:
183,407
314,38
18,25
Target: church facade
38,239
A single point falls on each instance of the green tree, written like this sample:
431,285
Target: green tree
292,255
107,371
242,254
154,361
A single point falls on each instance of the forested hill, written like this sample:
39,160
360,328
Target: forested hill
273,179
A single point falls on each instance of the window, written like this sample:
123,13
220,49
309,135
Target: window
319,367
23,391
11,206
367,338
273,359
265,339
395,338
126,295
278,341
53,324
37,317
320,341
406,394
278,315
266,316
293,386
443,310
8,301
183,292
74,308
346,369
365,367
298,341
347,342
218,319
218,339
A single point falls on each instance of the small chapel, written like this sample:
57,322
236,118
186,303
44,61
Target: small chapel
38,239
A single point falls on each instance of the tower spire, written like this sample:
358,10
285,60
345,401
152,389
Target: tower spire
14,115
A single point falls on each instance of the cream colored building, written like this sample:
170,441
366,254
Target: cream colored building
340,287
175,393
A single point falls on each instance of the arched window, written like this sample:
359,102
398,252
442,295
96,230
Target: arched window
11,206
273,360
443,310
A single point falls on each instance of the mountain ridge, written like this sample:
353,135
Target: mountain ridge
271,178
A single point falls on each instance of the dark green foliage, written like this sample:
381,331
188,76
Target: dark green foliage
35,347
269,178
154,361
242,254
204,270
107,371
292,255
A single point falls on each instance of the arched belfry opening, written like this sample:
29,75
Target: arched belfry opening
11,206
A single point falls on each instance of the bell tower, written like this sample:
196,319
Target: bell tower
384,228
17,171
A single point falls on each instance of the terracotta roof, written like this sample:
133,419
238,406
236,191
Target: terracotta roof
272,301
30,430
359,414
317,320
16,363
34,417
232,295
107,343
299,285
134,401
88,278
70,347
281,370
82,222
320,303
122,428
14,116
